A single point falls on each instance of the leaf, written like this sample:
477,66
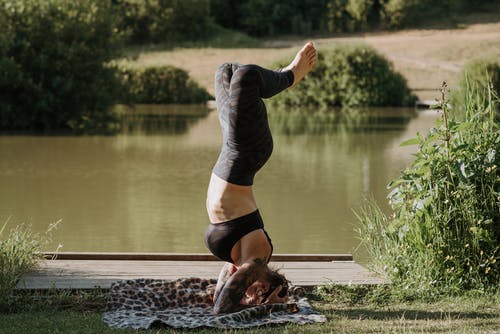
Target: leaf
461,166
395,183
490,156
412,141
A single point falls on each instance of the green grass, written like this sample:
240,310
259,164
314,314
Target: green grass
348,310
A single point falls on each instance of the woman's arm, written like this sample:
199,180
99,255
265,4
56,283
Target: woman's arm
227,270
228,300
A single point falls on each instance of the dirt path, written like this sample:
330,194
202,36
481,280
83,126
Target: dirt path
424,57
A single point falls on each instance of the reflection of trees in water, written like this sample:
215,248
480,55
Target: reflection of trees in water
328,161
160,119
295,122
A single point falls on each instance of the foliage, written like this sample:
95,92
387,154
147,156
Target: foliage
153,21
19,253
443,235
405,13
478,72
164,84
266,17
349,75
52,64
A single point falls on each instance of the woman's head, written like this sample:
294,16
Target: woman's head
275,280
261,291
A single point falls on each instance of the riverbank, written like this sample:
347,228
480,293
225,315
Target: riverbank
425,57
348,310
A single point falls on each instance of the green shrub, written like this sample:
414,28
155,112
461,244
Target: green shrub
477,73
443,235
52,64
19,252
401,13
406,13
165,84
168,21
364,13
349,75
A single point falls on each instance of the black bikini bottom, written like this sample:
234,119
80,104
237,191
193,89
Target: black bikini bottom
221,237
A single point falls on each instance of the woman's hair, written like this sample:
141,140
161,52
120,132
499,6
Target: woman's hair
275,279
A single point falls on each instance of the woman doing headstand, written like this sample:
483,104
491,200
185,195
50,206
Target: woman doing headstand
236,232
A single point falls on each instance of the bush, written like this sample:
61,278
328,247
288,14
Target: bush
52,64
154,21
407,13
443,235
477,73
364,13
166,84
19,253
349,75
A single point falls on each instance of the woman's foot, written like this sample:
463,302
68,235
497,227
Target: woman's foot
303,63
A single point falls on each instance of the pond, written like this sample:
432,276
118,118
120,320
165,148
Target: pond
144,189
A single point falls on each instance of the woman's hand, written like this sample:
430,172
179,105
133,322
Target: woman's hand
274,298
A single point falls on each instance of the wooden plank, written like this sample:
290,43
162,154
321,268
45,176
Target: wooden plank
185,256
70,266
87,274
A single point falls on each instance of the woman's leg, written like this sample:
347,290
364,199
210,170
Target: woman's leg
255,82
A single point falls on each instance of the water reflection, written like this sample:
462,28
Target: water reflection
159,119
144,190
295,122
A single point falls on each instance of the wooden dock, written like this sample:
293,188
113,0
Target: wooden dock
99,270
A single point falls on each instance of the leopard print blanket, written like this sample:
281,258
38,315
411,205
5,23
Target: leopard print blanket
187,303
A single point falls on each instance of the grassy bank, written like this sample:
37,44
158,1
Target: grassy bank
348,310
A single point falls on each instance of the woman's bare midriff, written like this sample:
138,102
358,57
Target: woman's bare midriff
227,201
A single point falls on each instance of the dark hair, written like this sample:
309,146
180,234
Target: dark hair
275,279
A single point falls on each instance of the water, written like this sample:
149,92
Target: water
144,190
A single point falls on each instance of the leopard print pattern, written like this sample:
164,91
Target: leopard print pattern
187,303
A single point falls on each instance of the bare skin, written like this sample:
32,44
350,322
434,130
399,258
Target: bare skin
303,63
243,283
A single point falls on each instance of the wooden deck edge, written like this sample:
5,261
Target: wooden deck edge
186,256
105,287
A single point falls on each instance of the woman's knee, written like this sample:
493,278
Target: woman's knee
246,76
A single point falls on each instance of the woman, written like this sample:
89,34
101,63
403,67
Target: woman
236,232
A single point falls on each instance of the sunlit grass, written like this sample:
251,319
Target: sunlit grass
20,251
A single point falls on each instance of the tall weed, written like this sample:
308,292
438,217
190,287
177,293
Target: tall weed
19,252
443,235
